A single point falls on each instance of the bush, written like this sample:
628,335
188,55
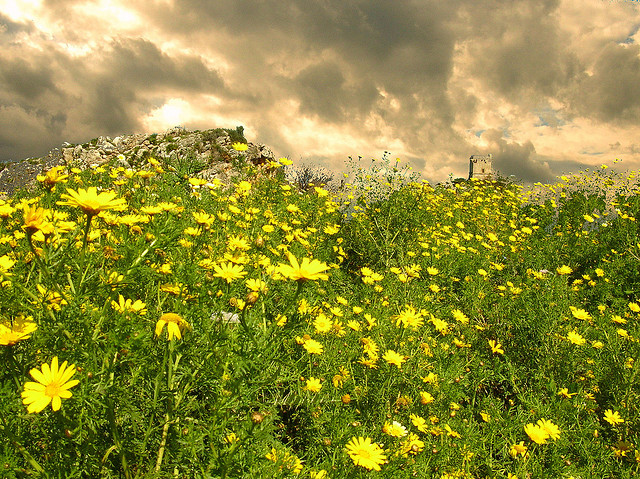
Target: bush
253,331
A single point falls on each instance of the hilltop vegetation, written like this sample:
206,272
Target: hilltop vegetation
155,324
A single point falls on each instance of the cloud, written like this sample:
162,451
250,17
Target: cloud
519,160
611,92
522,48
540,84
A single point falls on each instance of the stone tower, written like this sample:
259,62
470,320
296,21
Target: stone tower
480,167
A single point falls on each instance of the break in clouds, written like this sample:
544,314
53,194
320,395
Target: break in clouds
545,86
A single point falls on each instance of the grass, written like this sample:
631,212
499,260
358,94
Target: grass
480,330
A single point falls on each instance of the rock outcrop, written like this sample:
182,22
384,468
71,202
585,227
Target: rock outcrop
210,151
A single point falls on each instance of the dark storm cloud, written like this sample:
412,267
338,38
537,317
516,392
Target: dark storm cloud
404,48
123,78
520,160
323,91
612,92
519,47
65,98
418,75
25,78
140,63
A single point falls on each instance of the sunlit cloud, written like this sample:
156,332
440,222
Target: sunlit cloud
542,85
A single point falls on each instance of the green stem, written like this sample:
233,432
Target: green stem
167,417
232,451
83,256
295,298
16,368
112,422
246,328
22,450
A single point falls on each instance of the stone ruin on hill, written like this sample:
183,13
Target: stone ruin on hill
209,150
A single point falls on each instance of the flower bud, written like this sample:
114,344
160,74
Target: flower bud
257,417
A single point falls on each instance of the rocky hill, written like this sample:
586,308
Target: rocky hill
206,154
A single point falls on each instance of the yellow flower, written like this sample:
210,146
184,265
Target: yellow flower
564,392
203,219
33,219
231,438
426,398
6,264
313,385
127,306
312,346
576,338
634,307
52,176
460,316
496,347
286,460
552,430
175,324
395,429
365,454
564,269
613,417
411,445
419,422
331,229
243,188
322,323
431,378
20,329
518,449
229,271
392,357
91,202
237,243
51,386
256,285
239,146
441,326
536,433
580,314
310,269
409,318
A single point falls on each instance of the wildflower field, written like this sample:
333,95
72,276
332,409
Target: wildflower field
157,325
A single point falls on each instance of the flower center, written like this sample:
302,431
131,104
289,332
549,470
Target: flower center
364,453
52,389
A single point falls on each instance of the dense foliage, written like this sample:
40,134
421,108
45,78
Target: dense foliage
161,325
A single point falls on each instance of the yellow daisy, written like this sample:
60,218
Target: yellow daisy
394,358
309,269
91,202
51,386
365,454
229,271
20,329
175,324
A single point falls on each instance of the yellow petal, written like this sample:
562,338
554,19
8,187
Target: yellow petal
31,386
69,384
66,374
38,375
159,326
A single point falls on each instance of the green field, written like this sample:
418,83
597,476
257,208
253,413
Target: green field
155,325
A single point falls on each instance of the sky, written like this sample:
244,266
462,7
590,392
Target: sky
546,86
